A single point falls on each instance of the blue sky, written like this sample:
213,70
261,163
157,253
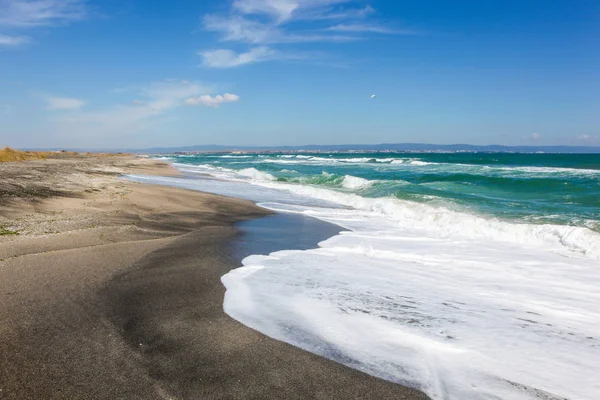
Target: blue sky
133,73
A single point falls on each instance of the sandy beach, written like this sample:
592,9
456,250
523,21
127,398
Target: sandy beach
111,289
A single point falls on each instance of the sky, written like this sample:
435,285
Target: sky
145,73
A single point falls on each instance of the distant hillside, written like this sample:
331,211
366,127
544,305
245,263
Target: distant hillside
378,147
412,147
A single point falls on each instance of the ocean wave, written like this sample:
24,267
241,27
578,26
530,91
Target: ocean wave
438,220
445,223
353,182
407,162
316,160
548,170
255,174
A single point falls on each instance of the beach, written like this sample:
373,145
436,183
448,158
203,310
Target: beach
111,289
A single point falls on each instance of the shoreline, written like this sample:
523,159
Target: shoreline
112,290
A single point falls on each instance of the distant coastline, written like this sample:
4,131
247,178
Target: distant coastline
354,148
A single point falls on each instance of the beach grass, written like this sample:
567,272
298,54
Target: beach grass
11,155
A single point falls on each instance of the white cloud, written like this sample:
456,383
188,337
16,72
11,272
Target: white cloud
18,15
244,30
279,9
63,103
589,139
224,58
13,41
535,136
149,106
33,13
237,28
169,94
343,14
209,101
285,10
267,22
369,28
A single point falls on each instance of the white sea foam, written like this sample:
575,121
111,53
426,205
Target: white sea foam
255,174
354,182
460,306
440,221
413,162
459,319
315,160
550,170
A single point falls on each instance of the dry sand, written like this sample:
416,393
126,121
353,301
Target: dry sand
111,290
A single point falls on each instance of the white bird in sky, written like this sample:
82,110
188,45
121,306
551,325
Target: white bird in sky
373,96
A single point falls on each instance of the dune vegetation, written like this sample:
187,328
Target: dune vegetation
9,155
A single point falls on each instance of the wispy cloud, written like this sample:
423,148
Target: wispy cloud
271,22
348,13
13,41
209,101
285,10
63,103
238,28
19,15
224,58
357,28
535,136
149,105
588,139
33,13
279,9
162,96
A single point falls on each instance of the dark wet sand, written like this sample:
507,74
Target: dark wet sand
132,307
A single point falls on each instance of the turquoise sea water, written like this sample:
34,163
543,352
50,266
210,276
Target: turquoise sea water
561,189
469,276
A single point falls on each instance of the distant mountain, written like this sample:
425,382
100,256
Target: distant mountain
412,147
409,147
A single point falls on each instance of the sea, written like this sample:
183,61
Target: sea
465,275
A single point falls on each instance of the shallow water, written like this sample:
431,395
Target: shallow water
279,232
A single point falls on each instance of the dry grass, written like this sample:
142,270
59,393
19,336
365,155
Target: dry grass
10,155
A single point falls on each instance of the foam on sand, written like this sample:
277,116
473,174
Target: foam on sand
456,318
